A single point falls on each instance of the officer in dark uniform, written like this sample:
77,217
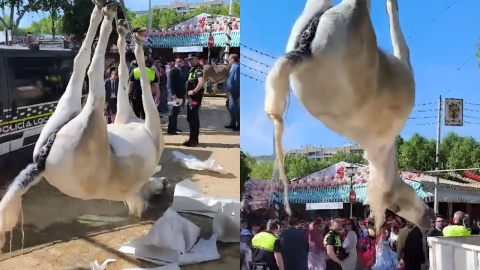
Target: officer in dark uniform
195,84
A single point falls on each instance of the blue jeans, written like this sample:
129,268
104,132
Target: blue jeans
234,109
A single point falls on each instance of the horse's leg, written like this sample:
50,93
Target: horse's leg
400,48
69,104
386,190
152,119
277,83
11,203
125,110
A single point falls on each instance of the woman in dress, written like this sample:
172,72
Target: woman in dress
316,253
350,246
386,257
366,254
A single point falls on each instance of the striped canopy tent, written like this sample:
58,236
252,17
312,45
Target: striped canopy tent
195,32
331,184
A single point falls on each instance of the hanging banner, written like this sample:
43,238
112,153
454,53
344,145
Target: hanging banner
453,112
188,49
324,206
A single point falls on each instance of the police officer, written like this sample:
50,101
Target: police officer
267,249
135,89
333,245
195,84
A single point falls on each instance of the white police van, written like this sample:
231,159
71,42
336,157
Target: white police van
31,83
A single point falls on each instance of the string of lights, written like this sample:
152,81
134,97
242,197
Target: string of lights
431,110
472,123
470,110
474,104
256,61
425,104
468,116
433,19
254,69
422,124
425,117
250,77
257,51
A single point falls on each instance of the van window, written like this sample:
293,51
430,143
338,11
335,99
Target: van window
38,80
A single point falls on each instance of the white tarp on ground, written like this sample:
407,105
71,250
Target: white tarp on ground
173,239
193,163
189,198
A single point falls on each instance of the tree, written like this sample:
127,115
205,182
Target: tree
398,143
55,7
342,156
464,154
76,19
262,170
418,153
446,146
299,166
246,162
20,6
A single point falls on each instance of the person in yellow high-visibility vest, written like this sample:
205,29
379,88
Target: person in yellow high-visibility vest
457,229
135,89
267,249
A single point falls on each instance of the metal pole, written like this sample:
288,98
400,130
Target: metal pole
437,158
149,15
351,187
229,31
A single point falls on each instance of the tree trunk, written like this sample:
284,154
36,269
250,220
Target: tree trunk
53,28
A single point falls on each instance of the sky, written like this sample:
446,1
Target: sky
441,35
135,5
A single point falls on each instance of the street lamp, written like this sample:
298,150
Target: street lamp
352,197
210,21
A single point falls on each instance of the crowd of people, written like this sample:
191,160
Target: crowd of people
174,85
344,244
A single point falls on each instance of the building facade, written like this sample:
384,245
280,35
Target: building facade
325,153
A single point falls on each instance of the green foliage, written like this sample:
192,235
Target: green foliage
246,162
456,152
398,143
342,156
297,166
465,153
44,26
418,153
262,170
76,19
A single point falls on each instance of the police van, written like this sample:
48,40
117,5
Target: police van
31,83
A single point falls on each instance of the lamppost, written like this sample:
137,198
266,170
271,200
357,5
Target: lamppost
352,196
210,21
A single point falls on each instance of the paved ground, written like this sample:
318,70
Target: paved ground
51,216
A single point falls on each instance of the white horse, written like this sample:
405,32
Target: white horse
77,152
343,79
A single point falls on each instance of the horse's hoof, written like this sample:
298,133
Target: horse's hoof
122,27
139,34
110,9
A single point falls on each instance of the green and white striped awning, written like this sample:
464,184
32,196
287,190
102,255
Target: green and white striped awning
194,40
340,194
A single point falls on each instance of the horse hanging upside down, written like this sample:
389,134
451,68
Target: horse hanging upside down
77,152
344,80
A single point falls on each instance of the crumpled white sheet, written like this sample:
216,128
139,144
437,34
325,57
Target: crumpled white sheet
95,266
193,163
189,198
173,240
